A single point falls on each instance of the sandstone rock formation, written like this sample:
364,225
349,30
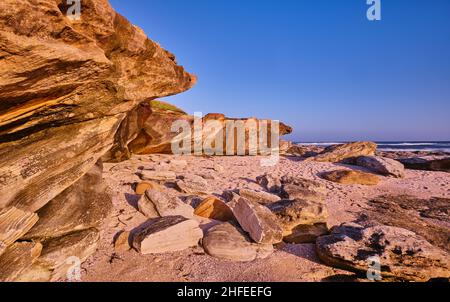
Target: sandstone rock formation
260,197
155,204
158,175
65,87
14,223
381,165
351,177
167,234
214,208
147,185
428,163
193,184
270,183
402,254
302,221
339,153
229,242
17,259
258,221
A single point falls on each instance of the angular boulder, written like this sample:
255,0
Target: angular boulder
155,204
167,234
402,254
337,153
351,177
258,221
147,185
214,208
227,241
382,165
302,221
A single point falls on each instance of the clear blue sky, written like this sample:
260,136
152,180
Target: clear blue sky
318,65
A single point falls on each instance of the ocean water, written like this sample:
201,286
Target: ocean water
399,146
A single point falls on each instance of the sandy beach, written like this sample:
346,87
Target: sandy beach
289,262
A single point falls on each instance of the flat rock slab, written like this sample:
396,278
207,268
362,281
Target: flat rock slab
258,221
167,234
427,163
260,197
337,153
349,177
214,208
402,254
158,175
229,242
193,184
14,224
293,192
155,204
382,165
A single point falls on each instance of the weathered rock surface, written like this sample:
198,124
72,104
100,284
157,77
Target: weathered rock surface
59,255
147,185
339,153
402,254
167,234
17,259
292,192
193,184
428,218
427,163
258,221
351,177
158,175
65,87
381,165
302,221
307,184
82,206
269,182
214,208
155,204
122,242
229,242
258,196
14,223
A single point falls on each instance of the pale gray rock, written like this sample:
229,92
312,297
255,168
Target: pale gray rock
259,196
382,165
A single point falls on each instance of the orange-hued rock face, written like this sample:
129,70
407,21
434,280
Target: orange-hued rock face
65,88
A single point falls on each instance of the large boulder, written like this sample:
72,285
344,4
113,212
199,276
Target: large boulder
258,196
258,221
214,208
167,234
401,254
351,177
428,163
302,221
337,153
227,241
382,165
65,88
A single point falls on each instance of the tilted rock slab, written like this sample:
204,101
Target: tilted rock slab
17,259
167,234
14,223
258,221
227,241
350,177
158,175
337,153
402,254
156,203
193,184
302,221
214,208
259,196
382,165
